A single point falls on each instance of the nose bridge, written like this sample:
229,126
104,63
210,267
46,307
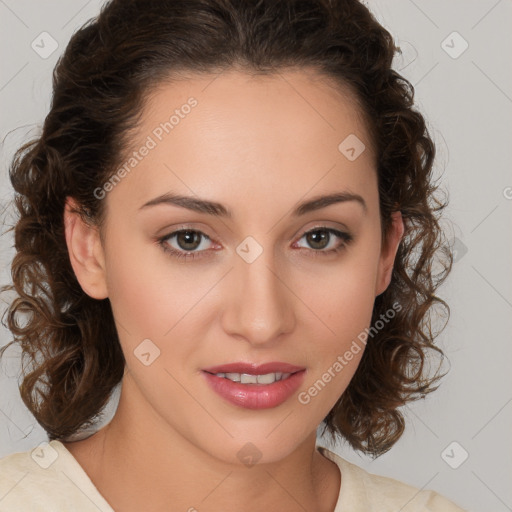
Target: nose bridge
261,306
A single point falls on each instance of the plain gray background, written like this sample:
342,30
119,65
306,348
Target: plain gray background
466,95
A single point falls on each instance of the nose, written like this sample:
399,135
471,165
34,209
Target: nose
260,305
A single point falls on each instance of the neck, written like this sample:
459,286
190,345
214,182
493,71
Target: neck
139,462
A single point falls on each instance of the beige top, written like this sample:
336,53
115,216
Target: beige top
49,479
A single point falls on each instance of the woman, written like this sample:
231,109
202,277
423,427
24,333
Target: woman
230,210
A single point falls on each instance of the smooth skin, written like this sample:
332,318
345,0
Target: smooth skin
258,145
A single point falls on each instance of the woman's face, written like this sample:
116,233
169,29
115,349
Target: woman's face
259,277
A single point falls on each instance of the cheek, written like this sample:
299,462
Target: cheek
345,309
143,292
343,295
153,299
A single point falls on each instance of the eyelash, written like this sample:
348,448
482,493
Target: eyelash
346,238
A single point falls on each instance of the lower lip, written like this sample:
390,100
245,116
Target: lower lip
256,396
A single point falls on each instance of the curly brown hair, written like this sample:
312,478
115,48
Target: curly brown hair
99,87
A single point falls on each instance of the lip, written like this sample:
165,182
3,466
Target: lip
255,369
255,396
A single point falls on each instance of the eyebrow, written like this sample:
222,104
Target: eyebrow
219,210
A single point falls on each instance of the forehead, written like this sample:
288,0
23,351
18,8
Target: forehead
258,135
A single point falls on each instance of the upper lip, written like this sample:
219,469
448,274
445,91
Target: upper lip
254,369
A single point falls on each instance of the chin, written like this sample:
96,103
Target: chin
271,442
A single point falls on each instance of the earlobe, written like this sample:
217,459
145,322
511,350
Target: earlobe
85,252
388,253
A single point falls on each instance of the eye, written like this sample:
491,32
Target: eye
190,243
185,243
323,240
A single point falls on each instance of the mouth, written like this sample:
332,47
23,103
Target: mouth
254,386
247,378
254,369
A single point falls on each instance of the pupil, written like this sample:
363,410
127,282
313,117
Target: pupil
188,237
316,239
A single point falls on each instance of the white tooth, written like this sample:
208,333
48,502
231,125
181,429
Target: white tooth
248,379
268,378
245,378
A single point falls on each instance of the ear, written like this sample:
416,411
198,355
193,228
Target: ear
85,252
388,253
